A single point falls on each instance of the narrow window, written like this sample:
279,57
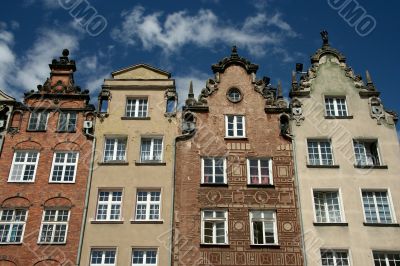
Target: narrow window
67,122
235,126
54,226
366,153
214,227
377,207
38,121
171,105
263,227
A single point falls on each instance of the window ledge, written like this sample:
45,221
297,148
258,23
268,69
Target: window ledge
322,166
150,163
367,167
331,224
211,245
236,138
107,221
339,117
261,185
277,246
57,131
32,130
147,221
48,244
23,182
214,185
61,182
113,163
19,243
135,118
381,224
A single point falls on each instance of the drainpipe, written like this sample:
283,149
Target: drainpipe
177,138
88,186
296,176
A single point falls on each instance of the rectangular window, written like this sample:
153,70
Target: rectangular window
67,122
151,150
115,149
136,107
214,227
235,126
327,207
64,167
320,152
386,258
144,256
335,257
12,225
259,171
148,205
38,121
366,153
109,206
103,257
377,207
263,227
24,166
54,226
213,170
335,106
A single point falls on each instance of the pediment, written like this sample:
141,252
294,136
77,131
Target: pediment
141,71
4,97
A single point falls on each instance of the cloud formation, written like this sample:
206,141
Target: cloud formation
171,32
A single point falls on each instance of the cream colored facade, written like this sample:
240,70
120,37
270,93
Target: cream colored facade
133,174
330,77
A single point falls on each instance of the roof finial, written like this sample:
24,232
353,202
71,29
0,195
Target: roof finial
280,95
368,77
191,93
234,51
325,38
65,52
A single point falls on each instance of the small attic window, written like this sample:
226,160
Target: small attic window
171,105
103,105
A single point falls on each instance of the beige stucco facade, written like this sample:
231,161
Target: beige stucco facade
329,76
132,174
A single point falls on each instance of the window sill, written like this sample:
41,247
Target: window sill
48,244
57,131
331,224
214,185
381,224
107,222
23,182
135,118
339,117
236,138
261,185
211,245
277,246
150,163
32,130
322,166
147,221
367,167
19,243
113,163
61,182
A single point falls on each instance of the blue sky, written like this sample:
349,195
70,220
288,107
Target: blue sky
186,38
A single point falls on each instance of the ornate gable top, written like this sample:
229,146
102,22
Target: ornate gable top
64,63
326,49
234,59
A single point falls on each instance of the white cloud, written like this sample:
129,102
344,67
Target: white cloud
88,63
204,29
7,58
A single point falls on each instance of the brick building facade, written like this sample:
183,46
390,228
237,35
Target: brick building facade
44,168
235,198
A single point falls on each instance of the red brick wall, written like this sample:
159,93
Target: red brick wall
37,193
263,140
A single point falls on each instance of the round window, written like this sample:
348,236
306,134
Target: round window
234,95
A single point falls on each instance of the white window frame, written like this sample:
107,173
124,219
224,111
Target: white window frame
152,138
67,121
363,142
136,111
24,164
334,255
213,160
144,249
54,223
148,203
64,165
103,256
40,114
335,106
116,141
271,177
390,203
327,217
12,223
214,219
320,160
235,133
109,204
263,220
385,253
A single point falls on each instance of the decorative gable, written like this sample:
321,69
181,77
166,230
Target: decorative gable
141,71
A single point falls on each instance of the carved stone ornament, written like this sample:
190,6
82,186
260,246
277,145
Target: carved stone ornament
376,109
297,111
211,87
